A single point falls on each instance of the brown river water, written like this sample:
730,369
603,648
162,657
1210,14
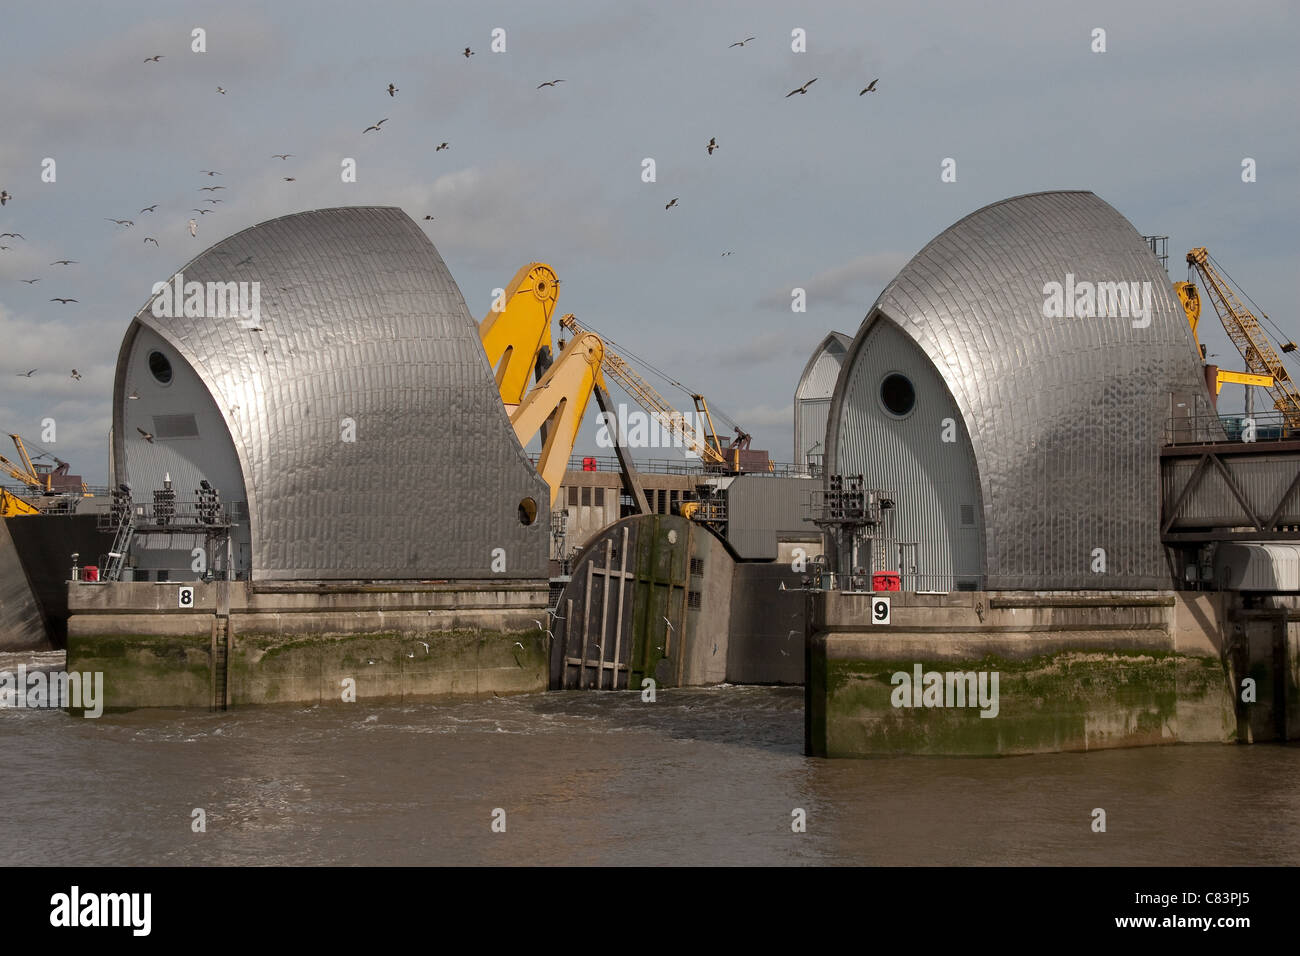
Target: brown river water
701,776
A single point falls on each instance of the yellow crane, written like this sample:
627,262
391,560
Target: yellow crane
12,506
1263,362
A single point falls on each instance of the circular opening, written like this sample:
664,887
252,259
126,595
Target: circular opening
897,394
527,511
160,368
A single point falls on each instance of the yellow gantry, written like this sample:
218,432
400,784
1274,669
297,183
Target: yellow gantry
516,334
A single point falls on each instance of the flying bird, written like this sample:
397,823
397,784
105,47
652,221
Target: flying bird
392,90
214,201
15,235
221,90
281,155
5,197
289,179
151,239
153,59
442,146
550,83
727,254
210,189
201,212
120,222
148,209
468,53
671,204
64,301
428,217
713,144
76,375
741,42
670,624
871,87
194,228
30,281
801,89
64,262
147,437
28,374
3,248
210,172
134,396
375,127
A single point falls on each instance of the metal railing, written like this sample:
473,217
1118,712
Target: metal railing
1199,429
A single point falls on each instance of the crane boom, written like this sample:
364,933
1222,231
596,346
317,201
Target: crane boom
1249,337
707,447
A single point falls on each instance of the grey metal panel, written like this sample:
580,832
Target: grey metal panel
1263,566
760,509
1262,480
362,320
22,626
813,392
1065,415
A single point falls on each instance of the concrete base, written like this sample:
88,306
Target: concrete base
1075,671
239,644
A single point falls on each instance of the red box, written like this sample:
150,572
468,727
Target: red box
588,464
886,581
90,572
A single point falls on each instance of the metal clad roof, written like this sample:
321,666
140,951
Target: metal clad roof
1065,415
361,320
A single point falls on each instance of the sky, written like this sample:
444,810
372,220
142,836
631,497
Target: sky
830,191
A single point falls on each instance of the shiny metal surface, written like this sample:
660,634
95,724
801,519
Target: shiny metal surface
1064,415
812,396
360,321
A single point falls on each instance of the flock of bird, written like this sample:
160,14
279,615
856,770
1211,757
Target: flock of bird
392,90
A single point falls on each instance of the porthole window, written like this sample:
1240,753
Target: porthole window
527,512
160,368
897,394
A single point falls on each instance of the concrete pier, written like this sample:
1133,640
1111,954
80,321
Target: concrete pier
1074,671
234,643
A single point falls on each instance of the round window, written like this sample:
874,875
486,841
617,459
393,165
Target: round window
160,368
897,394
527,511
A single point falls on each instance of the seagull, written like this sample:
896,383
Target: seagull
520,646
713,144
214,201
194,229
15,235
151,239
442,146
201,212
64,301
210,172
801,89
426,646
727,254
670,624
27,374
784,653
153,59
120,222
468,53
210,189
76,375
281,155
290,179
221,90
134,396
148,209
550,83
671,204
5,197
392,90
30,281
2,248
556,614
375,127
64,262
243,262
741,42
147,437
871,87
428,217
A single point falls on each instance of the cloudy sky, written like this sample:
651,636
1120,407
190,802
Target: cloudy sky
830,191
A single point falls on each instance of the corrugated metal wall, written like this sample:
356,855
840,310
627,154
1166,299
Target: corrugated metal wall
762,509
812,396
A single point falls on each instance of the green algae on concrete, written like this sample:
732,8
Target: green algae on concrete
143,670
1072,700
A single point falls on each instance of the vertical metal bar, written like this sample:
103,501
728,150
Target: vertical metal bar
604,614
564,655
618,617
586,629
